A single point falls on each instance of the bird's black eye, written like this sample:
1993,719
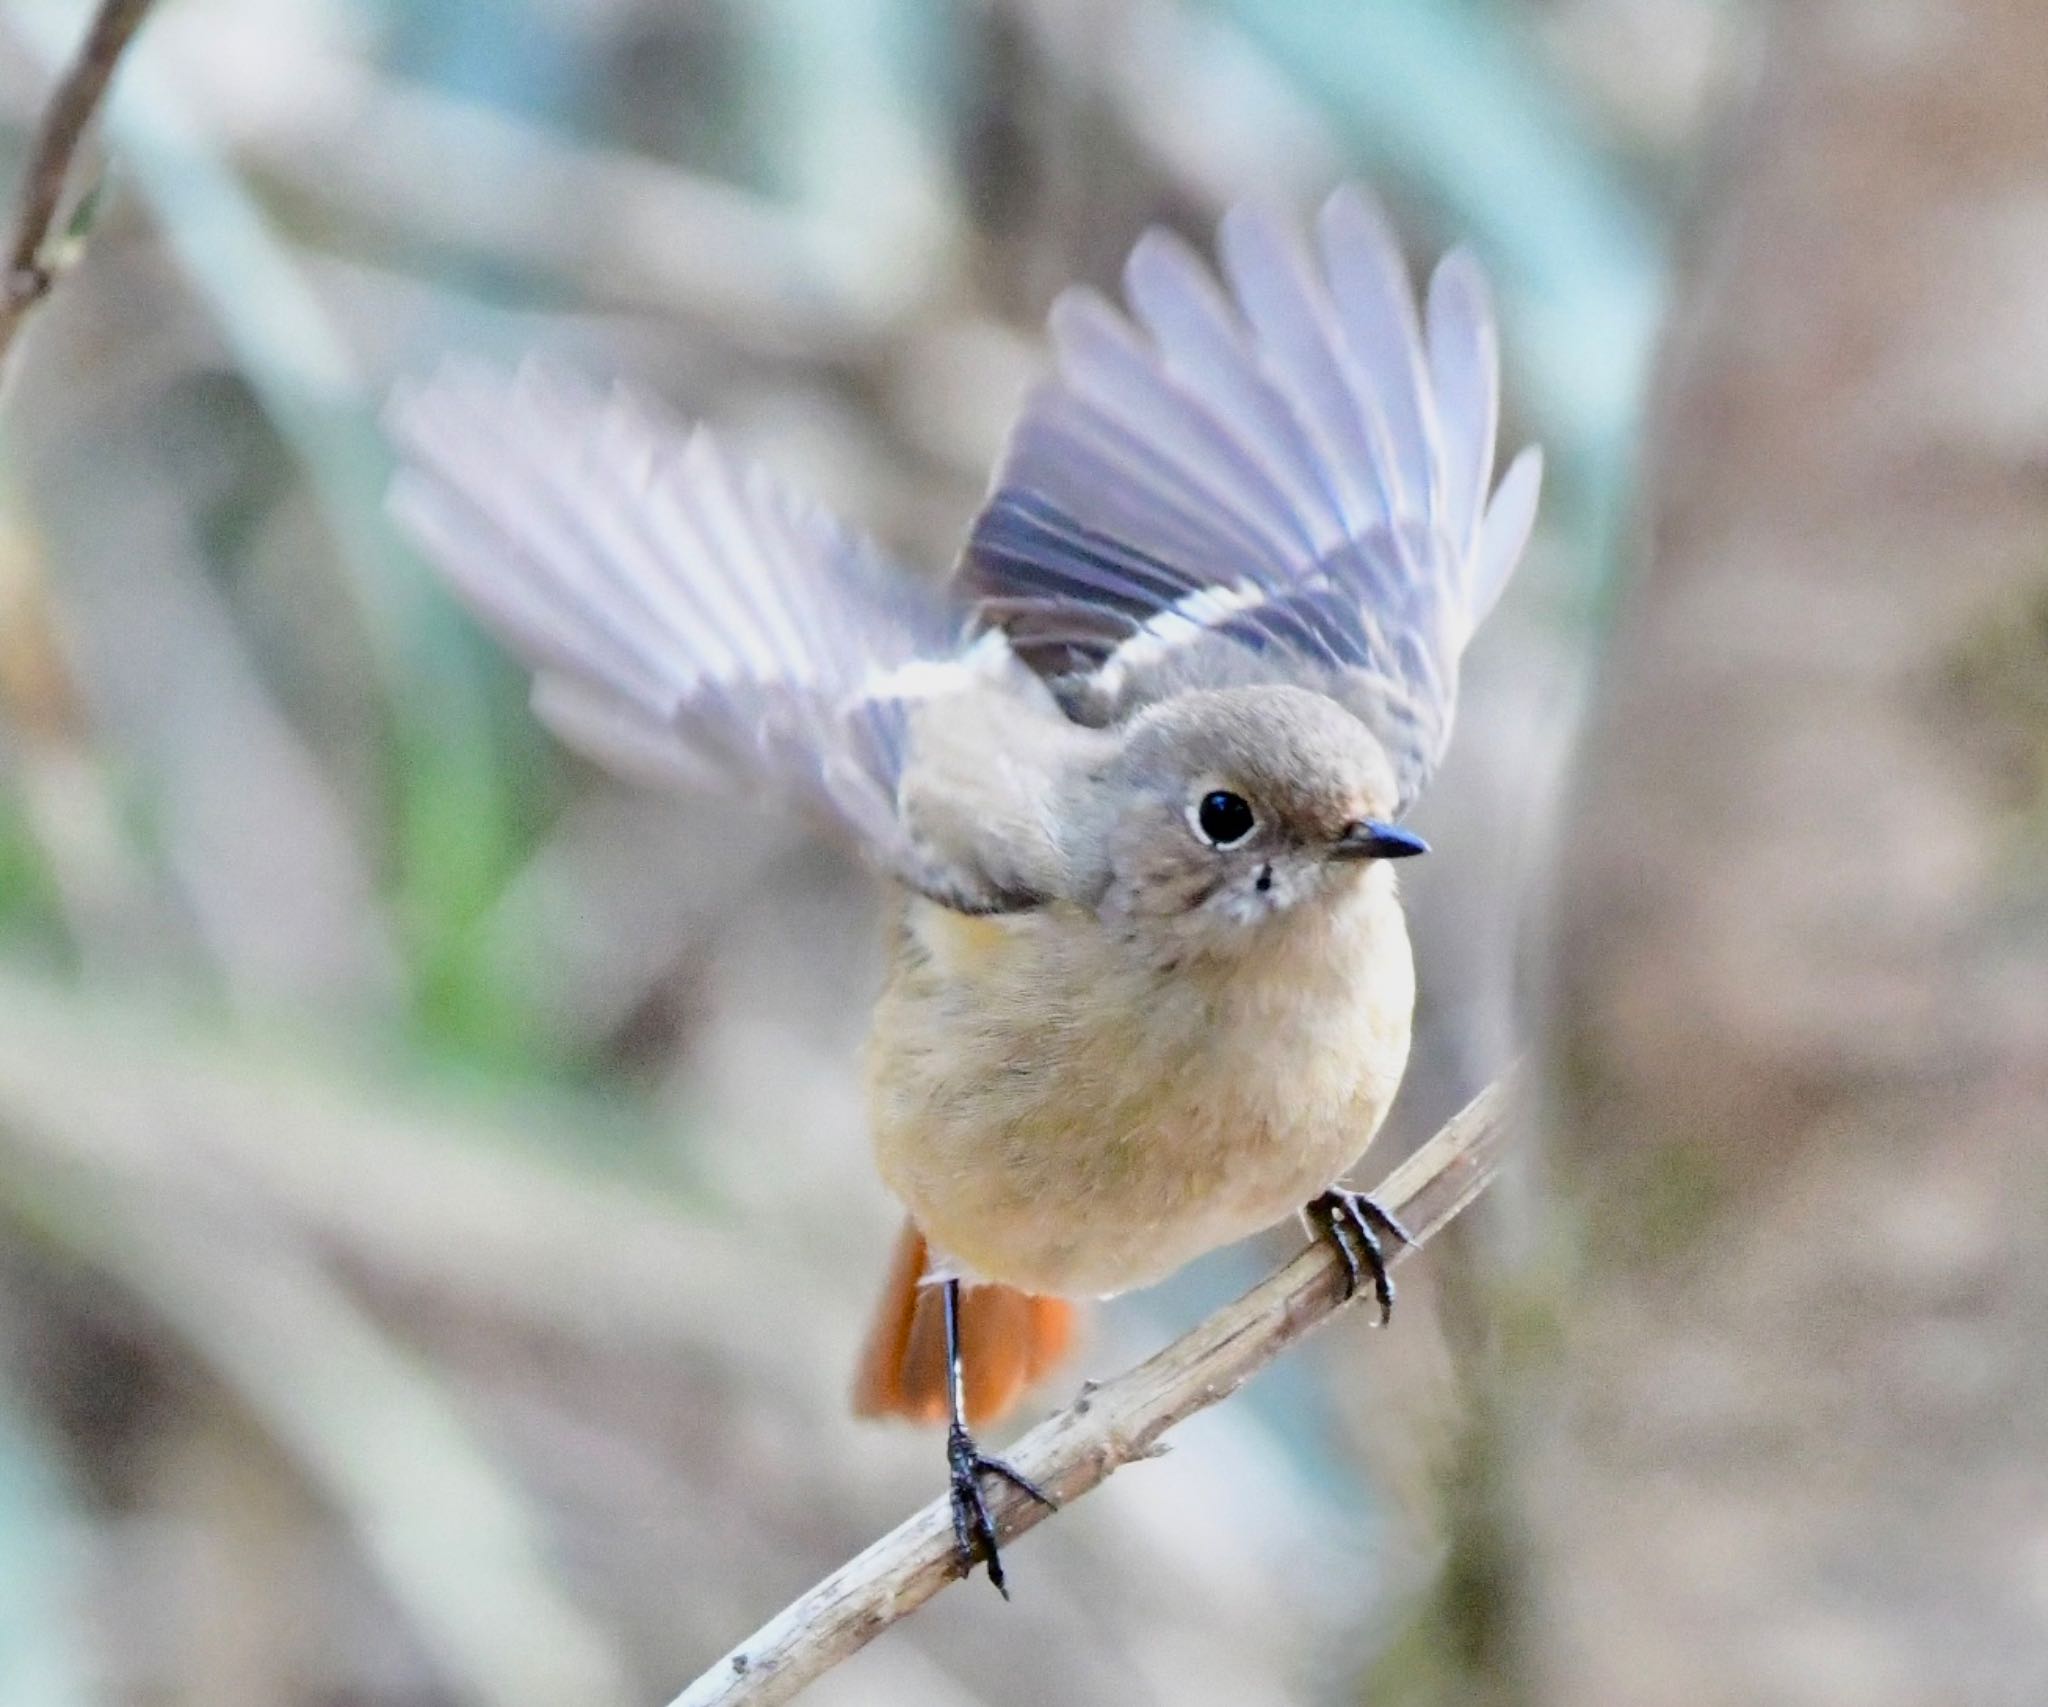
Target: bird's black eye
1225,818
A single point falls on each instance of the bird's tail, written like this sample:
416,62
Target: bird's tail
1008,1341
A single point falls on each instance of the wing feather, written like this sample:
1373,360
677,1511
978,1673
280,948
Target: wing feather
1128,491
1504,534
1195,329
1282,476
1108,365
689,617
1380,343
1464,372
1290,316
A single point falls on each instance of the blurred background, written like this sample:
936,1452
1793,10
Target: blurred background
435,1217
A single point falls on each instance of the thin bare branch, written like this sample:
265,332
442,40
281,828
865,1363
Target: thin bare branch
1106,1428
32,268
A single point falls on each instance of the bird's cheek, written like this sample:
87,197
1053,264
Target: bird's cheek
1248,898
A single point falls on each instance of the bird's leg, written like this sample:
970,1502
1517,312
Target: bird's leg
974,1530
1353,1223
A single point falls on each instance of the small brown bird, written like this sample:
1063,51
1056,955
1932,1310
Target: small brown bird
1137,779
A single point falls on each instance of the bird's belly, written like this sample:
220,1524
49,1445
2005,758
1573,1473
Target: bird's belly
1084,1206
1099,1139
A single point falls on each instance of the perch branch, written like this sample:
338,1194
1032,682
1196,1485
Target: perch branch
32,267
1106,1428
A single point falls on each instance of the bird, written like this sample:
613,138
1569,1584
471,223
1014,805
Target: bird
1135,773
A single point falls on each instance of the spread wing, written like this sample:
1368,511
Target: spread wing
1287,481
689,618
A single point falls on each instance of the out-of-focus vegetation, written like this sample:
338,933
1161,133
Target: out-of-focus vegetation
434,1215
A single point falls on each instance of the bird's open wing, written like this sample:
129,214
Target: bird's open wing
1285,481
689,618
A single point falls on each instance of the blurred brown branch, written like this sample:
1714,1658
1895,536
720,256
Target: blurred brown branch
31,266
1106,1428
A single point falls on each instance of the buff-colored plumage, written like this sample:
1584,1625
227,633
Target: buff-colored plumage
1062,1116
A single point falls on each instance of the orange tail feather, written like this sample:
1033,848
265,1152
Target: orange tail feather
1008,1341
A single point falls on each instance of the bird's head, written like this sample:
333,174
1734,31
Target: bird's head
1227,809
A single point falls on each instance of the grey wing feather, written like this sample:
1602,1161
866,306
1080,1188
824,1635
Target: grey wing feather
1283,476
689,618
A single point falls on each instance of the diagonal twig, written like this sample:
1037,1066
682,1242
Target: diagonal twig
31,268
1106,1428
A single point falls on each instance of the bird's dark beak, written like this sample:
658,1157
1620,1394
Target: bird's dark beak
1371,839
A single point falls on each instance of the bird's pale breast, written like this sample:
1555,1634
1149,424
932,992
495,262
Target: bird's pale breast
1060,1116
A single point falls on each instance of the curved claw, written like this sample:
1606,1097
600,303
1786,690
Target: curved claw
974,1530
1353,1222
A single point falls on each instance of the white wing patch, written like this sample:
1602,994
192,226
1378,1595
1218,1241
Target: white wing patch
1185,620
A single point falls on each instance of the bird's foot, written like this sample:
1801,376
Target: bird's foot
974,1530
1354,1223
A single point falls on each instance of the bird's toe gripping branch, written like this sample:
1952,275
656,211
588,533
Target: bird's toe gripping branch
974,1529
1354,1223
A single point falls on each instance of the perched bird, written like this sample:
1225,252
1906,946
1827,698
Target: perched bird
1137,777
